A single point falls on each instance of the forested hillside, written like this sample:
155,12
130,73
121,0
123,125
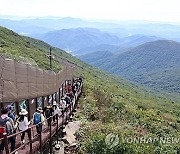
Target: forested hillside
154,64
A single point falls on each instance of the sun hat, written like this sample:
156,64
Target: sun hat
23,112
49,103
39,109
54,103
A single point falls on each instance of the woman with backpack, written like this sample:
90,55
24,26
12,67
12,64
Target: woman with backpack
38,119
7,126
23,124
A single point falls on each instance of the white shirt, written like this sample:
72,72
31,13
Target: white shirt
57,110
23,125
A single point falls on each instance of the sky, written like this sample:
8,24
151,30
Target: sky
151,10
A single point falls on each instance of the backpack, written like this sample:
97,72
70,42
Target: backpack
37,118
48,112
67,99
3,126
54,107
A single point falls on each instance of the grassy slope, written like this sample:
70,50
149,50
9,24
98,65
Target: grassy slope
108,104
29,50
111,105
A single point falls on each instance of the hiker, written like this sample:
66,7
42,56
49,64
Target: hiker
48,112
56,111
81,78
75,87
67,99
23,124
11,114
7,126
62,103
70,95
38,119
68,87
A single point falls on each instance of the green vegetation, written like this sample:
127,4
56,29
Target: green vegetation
154,65
108,104
111,105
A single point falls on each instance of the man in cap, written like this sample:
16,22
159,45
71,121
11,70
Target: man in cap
48,112
38,119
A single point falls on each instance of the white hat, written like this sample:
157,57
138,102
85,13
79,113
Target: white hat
54,103
23,112
39,109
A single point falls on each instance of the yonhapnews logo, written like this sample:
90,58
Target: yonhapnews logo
111,140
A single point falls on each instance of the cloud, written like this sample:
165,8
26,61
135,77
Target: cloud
158,10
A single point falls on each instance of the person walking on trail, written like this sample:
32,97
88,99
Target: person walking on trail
48,112
23,124
38,119
62,103
67,99
56,111
68,87
7,126
11,114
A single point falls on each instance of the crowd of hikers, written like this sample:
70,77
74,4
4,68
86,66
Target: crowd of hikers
10,124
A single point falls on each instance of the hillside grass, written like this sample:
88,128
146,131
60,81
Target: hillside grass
112,105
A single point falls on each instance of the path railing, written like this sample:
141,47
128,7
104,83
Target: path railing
36,141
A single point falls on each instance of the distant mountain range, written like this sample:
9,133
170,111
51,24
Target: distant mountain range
46,24
135,40
31,26
78,38
154,64
23,27
87,40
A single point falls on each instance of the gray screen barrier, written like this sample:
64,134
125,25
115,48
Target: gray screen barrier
20,81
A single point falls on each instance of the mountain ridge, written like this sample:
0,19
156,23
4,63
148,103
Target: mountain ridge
135,64
77,38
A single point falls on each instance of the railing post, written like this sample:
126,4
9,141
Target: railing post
57,118
71,107
73,103
62,116
40,141
52,98
50,140
36,103
59,94
30,139
47,99
63,89
17,107
6,143
43,102
66,112
28,107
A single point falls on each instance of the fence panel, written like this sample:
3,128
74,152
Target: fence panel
20,81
